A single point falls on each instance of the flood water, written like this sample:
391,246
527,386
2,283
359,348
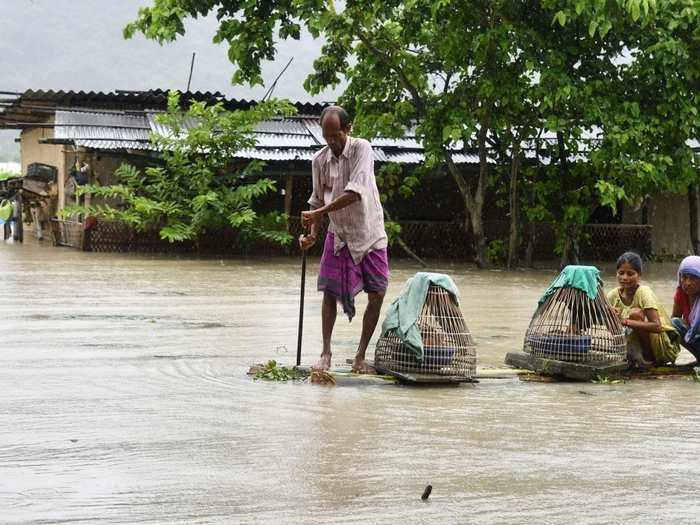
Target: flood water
124,398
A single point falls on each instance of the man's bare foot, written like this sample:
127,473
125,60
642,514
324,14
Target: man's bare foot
324,363
360,366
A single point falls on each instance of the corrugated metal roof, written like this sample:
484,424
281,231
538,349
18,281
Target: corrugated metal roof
272,154
277,139
414,157
312,125
161,129
101,126
121,99
274,133
285,140
380,155
288,126
405,143
114,144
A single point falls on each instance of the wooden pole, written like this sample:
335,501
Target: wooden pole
19,225
189,78
301,306
288,195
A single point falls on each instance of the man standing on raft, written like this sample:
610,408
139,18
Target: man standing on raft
354,253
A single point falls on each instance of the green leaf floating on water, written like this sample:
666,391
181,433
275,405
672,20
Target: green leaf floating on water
274,372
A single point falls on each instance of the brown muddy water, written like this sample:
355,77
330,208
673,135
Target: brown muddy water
124,398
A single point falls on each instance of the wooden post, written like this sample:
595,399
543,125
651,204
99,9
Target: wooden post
19,222
288,194
91,178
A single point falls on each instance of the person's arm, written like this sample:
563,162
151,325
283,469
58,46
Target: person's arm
677,312
652,322
307,240
314,217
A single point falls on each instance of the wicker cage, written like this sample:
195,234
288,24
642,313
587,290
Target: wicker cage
570,326
448,346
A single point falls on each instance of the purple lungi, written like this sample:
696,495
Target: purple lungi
341,277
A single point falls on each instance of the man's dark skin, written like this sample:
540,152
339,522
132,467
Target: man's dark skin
336,137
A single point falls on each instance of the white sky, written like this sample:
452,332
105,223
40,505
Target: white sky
78,45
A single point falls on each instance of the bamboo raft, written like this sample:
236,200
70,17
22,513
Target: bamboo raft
426,379
533,368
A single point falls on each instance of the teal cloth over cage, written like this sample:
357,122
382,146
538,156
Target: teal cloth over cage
584,278
403,313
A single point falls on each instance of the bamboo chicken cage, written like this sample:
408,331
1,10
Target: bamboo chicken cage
570,326
448,346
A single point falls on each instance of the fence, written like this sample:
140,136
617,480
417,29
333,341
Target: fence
68,233
428,239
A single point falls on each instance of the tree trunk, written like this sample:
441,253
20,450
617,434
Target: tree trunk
694,215
477,218
513,235
569,254
530,249
478,236
473,208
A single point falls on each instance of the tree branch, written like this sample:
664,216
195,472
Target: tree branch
459,179
384,57
403,245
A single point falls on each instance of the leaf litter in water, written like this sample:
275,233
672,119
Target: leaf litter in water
275,372
272,371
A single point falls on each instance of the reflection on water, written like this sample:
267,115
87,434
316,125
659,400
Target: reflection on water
124,398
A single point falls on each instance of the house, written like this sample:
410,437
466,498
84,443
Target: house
86,136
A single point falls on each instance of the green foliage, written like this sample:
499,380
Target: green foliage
393,179
393,230
647,110
4,175
496,252
272,371
471,76
199,185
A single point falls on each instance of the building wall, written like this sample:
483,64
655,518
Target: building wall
668,215
63,157
52,154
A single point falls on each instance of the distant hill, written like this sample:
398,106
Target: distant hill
78,45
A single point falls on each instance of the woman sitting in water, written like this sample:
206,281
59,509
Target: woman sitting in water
651,338
686,307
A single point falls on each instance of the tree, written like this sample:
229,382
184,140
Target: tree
196,186
489,76
435,66
651,113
